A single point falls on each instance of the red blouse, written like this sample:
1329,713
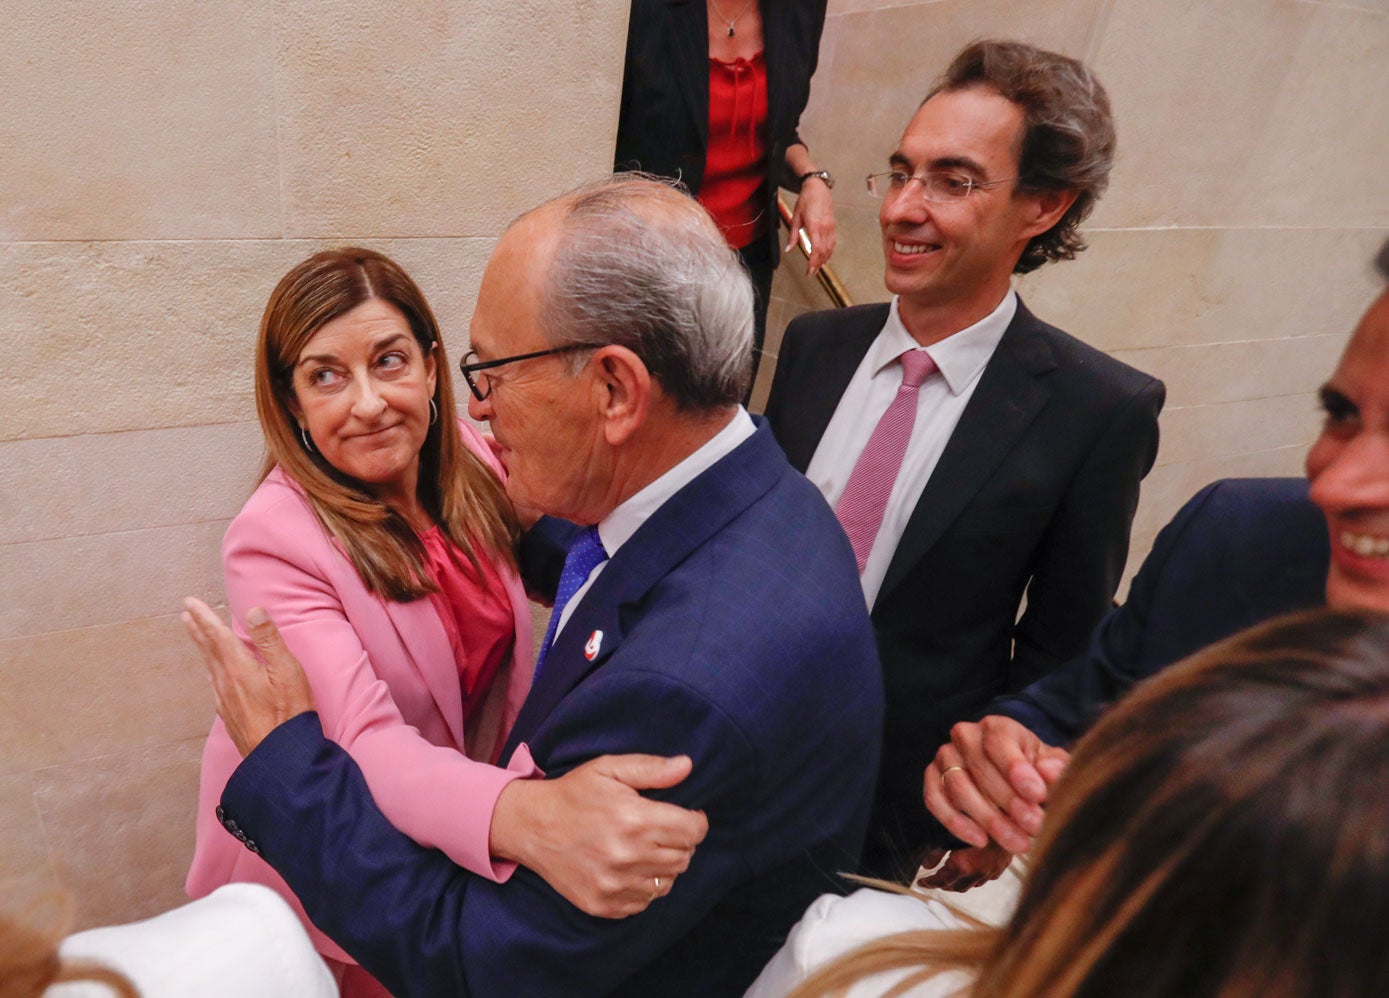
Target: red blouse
735,165
476,614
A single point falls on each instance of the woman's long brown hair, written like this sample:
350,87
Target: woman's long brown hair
458,491
30,964
1222,833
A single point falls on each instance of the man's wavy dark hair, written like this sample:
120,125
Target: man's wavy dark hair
1068,131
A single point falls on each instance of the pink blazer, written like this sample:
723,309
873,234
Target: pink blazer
386,686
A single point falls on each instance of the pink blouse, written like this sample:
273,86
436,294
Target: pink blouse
476,614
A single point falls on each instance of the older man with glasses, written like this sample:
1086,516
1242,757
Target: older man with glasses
973,454
707,608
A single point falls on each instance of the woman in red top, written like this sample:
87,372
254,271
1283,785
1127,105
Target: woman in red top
712,95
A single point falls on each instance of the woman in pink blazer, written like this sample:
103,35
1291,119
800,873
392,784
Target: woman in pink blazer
381,542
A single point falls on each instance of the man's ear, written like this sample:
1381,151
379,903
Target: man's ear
1046,208
623,386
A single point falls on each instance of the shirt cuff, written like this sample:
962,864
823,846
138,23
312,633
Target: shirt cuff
520,767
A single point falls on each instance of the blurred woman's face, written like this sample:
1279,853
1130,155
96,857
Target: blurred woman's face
362,387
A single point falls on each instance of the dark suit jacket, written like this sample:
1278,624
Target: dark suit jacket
1240,552
663,126
733,630
1034,492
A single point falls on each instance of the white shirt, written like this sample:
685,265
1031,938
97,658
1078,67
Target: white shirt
617,528
242,939
832,926
961,358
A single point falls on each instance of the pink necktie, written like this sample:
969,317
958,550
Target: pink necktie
861,506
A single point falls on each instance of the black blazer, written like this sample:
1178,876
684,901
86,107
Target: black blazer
1034,493
663,127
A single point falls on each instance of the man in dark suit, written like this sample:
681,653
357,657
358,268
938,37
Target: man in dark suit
717,615
1237,554
1008,464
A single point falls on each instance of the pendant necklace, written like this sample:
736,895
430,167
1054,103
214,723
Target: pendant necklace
724,18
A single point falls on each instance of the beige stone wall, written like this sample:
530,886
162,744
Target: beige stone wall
161,164
1231,255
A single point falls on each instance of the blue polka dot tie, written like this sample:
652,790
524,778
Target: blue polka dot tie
585,554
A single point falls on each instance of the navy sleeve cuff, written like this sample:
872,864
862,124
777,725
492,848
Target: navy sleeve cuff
252,796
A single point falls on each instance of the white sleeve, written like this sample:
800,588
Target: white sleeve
792,963
832,926
242,939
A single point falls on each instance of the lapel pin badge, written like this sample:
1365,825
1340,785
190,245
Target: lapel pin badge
593,646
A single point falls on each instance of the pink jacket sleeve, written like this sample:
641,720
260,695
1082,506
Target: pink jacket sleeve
383,677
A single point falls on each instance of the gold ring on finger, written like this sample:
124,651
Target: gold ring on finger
657,881
948,770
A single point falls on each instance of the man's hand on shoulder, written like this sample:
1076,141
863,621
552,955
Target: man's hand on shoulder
253,697
594,838
990,781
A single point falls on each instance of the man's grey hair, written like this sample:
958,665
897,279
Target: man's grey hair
1382,261
641,264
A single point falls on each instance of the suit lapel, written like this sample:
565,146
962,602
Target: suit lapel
826,377
1009,396
421,635
687,28
424,639
679,527
774,58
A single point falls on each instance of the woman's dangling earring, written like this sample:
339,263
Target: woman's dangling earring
433,413
304,436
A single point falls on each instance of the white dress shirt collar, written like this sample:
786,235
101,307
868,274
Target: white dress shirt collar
617,528
960,357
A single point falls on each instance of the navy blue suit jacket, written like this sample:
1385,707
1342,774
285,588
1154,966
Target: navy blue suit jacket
734,631
1240,552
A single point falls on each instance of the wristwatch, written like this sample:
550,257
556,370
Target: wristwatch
824,175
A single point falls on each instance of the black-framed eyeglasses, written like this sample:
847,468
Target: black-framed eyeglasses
481,385
938,186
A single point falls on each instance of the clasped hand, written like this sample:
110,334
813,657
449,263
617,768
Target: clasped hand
987,786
